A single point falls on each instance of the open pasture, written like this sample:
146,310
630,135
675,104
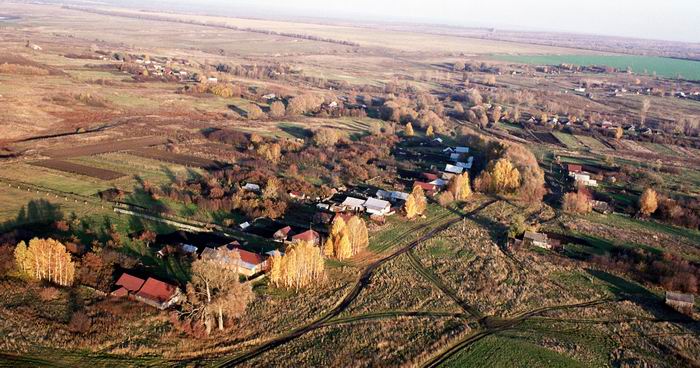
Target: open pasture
176,158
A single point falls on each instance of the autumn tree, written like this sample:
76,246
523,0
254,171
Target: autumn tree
410,207
277,109
648,202
459,187
577,202
215,292
643,111
408,130
45,259
429,132
416,203
358,234
21,259
272,188
499,177
618,133
254,112
325,137
345,238
300,266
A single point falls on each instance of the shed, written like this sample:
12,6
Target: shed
377,206
353,204
536,239
684,303
453,169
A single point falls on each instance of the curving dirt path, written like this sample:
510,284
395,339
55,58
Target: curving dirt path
350,297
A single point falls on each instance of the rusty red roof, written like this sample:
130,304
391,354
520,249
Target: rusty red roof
430,176
157,291
308,235
425,186
121,292
250,257
284,231
346,216
130,283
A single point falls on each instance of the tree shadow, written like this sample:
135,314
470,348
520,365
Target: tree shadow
650,302
296,131
36,212
238,110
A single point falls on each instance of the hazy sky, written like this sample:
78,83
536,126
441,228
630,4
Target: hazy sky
677,20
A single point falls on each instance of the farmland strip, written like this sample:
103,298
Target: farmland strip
74,168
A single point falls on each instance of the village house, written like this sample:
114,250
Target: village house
251,187
429,176
158,294
153,292
429,189
376,206
453,169
601,207
282,234
439,182
683,303
128,284
308,236
585,179
391,196
536,239
353,204
251,263
297,195
574,169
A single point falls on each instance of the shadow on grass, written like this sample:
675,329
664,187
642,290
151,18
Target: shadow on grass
650,302
296,131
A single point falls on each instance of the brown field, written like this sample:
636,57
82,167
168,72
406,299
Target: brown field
74,168
547,138
94,149
186,160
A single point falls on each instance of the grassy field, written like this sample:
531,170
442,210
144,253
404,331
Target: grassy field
568,140
660,66
591,143
501,351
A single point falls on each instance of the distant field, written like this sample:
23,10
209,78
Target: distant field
591,143
568,140
664,67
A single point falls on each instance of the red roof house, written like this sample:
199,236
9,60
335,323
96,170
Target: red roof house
120,293
308,235
429,176
131,283
158,294
575,168
251,263
346,216
283,233
427,187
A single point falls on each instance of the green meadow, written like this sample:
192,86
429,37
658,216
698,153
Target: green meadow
664,67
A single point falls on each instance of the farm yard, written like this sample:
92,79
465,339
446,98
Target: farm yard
439,204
